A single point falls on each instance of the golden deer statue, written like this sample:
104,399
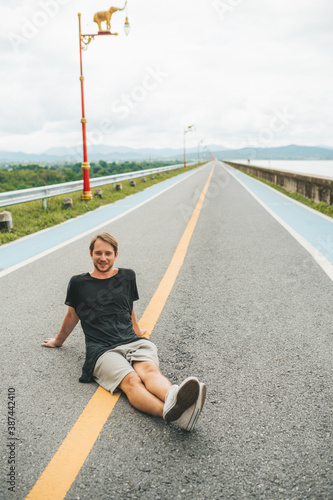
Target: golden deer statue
99,17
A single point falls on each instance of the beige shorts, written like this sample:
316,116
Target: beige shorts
113,366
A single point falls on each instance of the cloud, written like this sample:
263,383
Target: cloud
228,66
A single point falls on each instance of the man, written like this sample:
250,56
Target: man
117,357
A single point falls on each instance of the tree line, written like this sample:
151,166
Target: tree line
34,175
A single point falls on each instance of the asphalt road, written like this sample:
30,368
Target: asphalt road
250,315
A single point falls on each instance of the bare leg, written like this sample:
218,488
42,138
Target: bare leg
155,382
140,397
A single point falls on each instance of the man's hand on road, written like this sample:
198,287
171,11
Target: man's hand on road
50,343
141,332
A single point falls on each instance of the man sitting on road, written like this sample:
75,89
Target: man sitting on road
117,357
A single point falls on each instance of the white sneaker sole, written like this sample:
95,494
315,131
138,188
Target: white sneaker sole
197,408
187,395
189,418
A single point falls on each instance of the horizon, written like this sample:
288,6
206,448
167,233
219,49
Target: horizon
179,149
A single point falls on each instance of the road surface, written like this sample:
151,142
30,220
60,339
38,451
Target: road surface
250,314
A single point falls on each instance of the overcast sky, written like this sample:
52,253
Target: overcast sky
245,72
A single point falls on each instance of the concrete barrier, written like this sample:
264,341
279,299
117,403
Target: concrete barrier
98,193
6,221
315,188
67,202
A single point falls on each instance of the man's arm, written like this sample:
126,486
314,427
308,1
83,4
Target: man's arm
136,327
70,321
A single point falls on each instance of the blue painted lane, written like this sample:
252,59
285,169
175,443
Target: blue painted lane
28,247
312,226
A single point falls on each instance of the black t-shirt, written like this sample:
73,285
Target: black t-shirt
104,307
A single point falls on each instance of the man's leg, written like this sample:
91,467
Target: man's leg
113,371
155,382
140,397
184,406
184,402
146,388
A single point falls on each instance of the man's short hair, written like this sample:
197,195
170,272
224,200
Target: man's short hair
105,237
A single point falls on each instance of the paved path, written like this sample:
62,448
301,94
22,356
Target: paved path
250,314
311,228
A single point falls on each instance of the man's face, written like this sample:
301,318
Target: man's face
103,256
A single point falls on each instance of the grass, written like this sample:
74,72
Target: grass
322,207
31,217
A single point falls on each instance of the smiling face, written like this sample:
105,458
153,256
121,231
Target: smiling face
103,257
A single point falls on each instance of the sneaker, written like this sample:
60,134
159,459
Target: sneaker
180,398
190,416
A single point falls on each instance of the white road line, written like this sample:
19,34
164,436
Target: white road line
323,262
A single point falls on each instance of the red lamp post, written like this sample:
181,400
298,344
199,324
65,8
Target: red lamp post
86,195
84,42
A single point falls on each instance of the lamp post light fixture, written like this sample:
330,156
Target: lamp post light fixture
85,40
186,130
127,27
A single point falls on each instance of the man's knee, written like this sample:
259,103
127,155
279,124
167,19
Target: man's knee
144,368
130,382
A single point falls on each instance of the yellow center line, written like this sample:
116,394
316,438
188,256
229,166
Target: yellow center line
60,473
150,316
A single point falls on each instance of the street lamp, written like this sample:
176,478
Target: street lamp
200,142
99,17
206,153
186,130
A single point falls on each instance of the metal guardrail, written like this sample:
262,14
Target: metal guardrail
42,193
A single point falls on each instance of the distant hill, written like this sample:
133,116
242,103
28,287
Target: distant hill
102,152
291,152
122,153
